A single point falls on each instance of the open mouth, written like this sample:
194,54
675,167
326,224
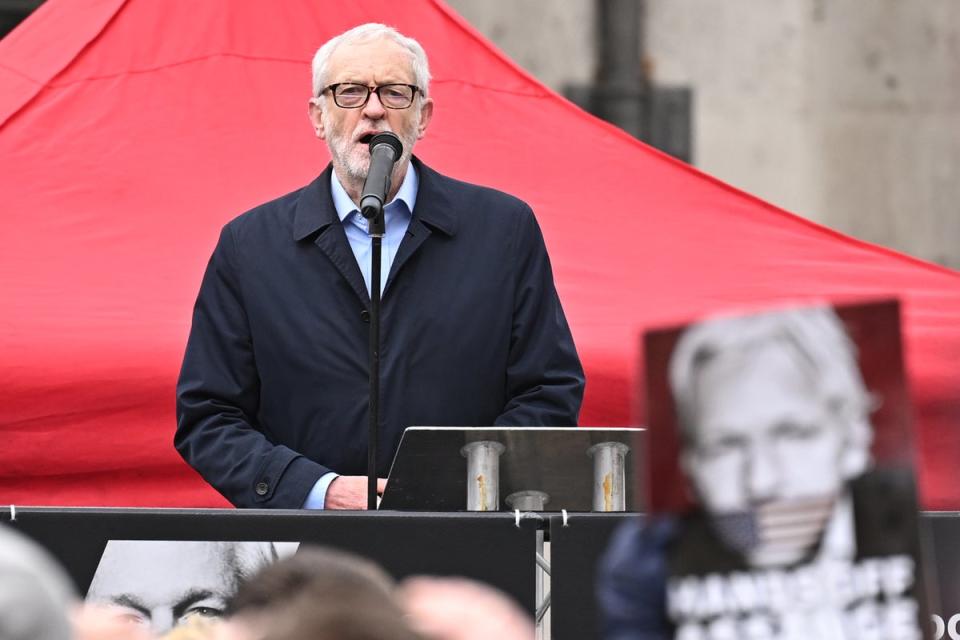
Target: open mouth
366,138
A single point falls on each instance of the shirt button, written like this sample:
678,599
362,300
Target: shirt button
262,488
365,315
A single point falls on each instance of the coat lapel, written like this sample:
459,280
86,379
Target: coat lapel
316,214
433,212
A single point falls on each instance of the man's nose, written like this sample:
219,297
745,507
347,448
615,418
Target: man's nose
374,108
762,473
161,621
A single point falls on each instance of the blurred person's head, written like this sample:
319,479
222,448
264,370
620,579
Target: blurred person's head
305,618
195,628
320,594
159,584
462,609
36,595
94,622
774,414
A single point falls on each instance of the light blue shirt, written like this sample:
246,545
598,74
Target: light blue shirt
396,217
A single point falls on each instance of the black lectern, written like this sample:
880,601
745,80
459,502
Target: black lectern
508,468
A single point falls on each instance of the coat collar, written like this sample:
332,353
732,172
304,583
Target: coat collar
315,210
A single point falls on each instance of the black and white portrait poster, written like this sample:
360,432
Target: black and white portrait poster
781,459
160,584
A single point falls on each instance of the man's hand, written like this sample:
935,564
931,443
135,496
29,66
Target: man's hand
350,492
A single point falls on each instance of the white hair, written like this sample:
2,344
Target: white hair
366,33
815,339
35,591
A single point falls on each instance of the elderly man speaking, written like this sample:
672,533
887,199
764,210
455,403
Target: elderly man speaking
272,400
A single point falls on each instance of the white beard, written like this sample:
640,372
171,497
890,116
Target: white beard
353,159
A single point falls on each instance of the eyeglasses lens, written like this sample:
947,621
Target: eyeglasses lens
393,96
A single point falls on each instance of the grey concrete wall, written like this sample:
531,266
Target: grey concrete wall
885,97
844,111
552,39
745,62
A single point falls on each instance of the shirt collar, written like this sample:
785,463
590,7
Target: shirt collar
406,194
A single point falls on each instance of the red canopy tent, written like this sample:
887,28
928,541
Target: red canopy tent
132,130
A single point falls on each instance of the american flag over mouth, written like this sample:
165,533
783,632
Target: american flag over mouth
775,533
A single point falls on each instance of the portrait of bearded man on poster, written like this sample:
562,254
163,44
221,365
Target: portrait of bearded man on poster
792,526
775,426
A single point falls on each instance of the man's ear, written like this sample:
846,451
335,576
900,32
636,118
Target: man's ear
315,113
426,114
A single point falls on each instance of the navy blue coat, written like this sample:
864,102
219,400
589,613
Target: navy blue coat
273,392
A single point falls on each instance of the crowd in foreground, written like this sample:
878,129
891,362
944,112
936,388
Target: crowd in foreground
315,594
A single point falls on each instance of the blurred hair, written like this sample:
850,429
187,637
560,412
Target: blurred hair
313,569
321,594
367,33
813,338
35,592
307,619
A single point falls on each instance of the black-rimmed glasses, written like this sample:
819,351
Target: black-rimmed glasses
349,95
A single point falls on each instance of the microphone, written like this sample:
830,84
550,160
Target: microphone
385,150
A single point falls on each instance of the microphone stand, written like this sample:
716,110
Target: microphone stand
385,149
377,231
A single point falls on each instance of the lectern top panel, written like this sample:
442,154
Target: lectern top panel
429,470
